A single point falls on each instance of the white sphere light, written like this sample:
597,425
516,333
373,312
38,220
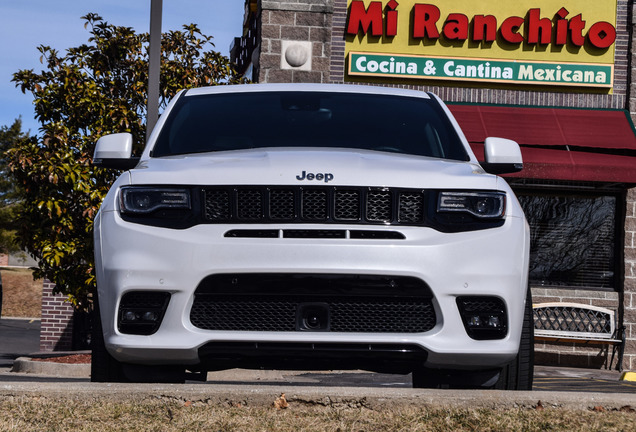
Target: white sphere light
296,55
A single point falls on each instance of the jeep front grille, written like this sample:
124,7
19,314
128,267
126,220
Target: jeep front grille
329,204
317,205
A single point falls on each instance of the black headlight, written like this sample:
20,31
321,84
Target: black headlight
146,200
480,204
459,211
157,206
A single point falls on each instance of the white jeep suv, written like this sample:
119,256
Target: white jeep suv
312,227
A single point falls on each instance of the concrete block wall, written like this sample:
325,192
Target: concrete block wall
56,331
300,21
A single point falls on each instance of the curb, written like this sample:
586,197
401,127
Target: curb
61,370
337,397
628,376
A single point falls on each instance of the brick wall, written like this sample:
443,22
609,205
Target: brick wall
629,299
629,295
56,331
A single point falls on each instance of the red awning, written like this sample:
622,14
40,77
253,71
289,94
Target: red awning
557,143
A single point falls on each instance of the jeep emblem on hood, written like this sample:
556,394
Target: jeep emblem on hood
326,177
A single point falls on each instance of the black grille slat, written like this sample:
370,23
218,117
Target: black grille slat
314,204
217,205
143,299
379,206
480,304
282,204
314,234
250,204
411,208
382,316
248,315
347,205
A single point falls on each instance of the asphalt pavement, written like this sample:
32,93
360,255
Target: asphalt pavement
20,338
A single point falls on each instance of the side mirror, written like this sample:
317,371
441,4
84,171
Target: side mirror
114,151
503,156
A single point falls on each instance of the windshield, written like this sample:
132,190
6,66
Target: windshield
237,121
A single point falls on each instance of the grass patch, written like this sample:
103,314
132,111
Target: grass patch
36,413
21,295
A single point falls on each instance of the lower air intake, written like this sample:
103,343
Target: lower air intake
346,303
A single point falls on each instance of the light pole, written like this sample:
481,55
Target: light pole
154,65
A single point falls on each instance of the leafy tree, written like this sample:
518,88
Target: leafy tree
92,90
9,198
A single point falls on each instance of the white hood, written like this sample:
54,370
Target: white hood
312,167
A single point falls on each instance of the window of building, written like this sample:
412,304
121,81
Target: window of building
574,238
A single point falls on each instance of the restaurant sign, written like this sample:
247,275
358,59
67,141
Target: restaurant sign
566,42
486,70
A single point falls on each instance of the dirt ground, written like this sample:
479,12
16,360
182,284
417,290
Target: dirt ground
21,295
168,412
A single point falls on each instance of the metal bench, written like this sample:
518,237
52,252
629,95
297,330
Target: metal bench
579,323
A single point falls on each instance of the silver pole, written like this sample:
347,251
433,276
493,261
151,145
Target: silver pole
154,65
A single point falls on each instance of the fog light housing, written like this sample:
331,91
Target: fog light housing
494,322
474,321
141,313
484,318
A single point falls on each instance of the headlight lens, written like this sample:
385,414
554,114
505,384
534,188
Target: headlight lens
145,200
481,204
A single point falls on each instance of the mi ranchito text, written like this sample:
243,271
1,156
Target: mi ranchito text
534,28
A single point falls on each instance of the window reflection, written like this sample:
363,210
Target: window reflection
572,239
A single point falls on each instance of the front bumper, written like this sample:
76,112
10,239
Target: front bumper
132,257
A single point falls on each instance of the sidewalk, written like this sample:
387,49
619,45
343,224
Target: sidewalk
370,397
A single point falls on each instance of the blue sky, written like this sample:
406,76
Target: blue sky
26,24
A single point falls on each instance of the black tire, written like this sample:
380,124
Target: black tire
105,368
516,375
167,374
519,373
454,378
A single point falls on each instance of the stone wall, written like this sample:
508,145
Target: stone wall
295,41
